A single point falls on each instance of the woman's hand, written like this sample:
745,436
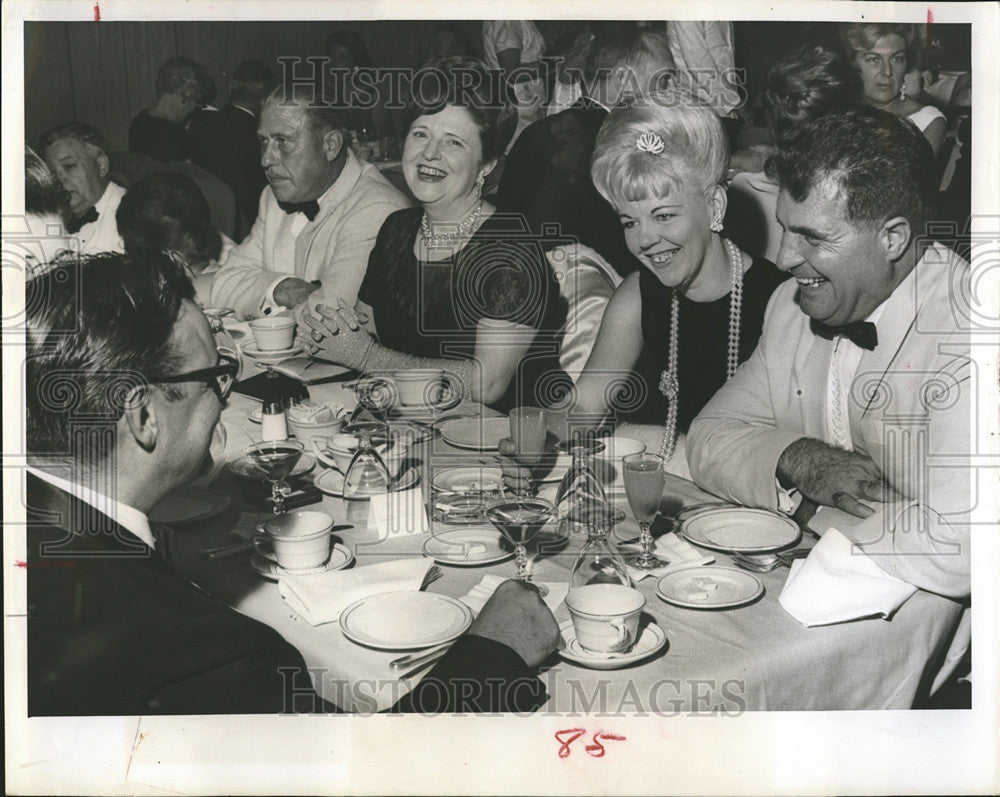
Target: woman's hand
336,334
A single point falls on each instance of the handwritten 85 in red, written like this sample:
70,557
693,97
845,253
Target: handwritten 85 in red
595,748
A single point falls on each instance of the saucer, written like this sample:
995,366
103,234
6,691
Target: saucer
340,557
420,410
466,547
709,588
270,357
245,468
650,641
331,481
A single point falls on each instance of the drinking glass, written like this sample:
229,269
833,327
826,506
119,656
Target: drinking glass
519,520
580,488
528,433
276,460
367,475
644,477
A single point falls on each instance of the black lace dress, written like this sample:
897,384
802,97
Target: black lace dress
431,308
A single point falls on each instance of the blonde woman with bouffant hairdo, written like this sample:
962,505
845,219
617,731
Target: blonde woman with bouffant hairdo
675,329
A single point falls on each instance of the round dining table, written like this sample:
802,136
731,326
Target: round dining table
753,657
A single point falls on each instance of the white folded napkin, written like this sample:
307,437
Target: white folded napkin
678,552
837,582
398,514
479,594
321,597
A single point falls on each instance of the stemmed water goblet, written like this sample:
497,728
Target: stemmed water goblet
276,460
644,477
580,488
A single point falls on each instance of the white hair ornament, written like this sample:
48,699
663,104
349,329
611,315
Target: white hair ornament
650,142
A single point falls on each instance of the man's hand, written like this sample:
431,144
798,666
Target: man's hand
831,476
292,292
517,617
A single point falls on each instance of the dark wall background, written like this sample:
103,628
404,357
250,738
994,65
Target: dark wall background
103,74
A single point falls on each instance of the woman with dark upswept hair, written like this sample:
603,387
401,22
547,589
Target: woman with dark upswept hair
452,283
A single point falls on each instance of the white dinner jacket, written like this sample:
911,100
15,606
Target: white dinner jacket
909,410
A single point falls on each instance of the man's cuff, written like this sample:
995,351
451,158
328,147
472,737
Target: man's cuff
788,500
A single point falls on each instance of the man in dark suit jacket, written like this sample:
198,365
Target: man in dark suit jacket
225,141
546,175
124,387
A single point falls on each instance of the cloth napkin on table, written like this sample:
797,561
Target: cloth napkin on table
678,552
321,597
476,598
837,582
398,514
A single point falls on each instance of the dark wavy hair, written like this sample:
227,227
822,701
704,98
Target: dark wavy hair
179,75
810,82
43,195
166,212
96,327
882,162
466,83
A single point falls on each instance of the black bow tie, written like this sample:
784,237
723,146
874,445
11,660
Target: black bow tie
310,208
74,223
861,333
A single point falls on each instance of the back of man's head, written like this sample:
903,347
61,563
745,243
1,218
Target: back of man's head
641,57
97,327
251,81
78,131
882,163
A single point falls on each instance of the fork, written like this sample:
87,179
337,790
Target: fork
433,574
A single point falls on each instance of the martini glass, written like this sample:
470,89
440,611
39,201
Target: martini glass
644,479
519,519
276,460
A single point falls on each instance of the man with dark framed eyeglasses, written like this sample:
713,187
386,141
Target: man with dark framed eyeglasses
124,388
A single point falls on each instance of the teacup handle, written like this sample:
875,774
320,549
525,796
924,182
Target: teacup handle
330,463
622,628
258,540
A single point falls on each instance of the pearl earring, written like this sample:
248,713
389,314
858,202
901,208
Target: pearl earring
716,225
902,93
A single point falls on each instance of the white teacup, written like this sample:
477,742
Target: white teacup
419,385
297,540
274,333
605,616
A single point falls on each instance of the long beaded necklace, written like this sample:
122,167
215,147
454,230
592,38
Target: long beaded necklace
669,384
456,231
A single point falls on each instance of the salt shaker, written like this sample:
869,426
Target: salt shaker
273,423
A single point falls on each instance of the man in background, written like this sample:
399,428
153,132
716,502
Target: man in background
77,154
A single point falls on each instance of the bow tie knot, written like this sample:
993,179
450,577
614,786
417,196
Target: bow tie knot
310,208
74,223
861,333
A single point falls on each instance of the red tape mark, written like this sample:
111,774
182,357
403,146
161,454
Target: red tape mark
97,13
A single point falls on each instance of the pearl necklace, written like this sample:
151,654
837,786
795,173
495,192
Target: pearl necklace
461,229
669,383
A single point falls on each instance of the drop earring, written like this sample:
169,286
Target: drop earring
480,180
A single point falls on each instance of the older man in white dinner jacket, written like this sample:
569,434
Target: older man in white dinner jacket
837,422
317,219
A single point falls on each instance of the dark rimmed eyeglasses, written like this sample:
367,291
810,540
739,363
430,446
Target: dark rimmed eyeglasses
220,378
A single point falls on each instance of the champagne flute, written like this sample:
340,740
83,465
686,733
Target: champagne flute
528,433
276,460
519,520
644,478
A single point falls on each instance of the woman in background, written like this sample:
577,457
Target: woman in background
882,54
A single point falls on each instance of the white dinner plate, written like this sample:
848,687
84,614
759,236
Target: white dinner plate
466,547
245,468
649,642
331,481
709,587
270,357
189,504
340,557
482,434
405,620
742,530
474,479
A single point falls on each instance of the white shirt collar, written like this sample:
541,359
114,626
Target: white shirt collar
126,516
